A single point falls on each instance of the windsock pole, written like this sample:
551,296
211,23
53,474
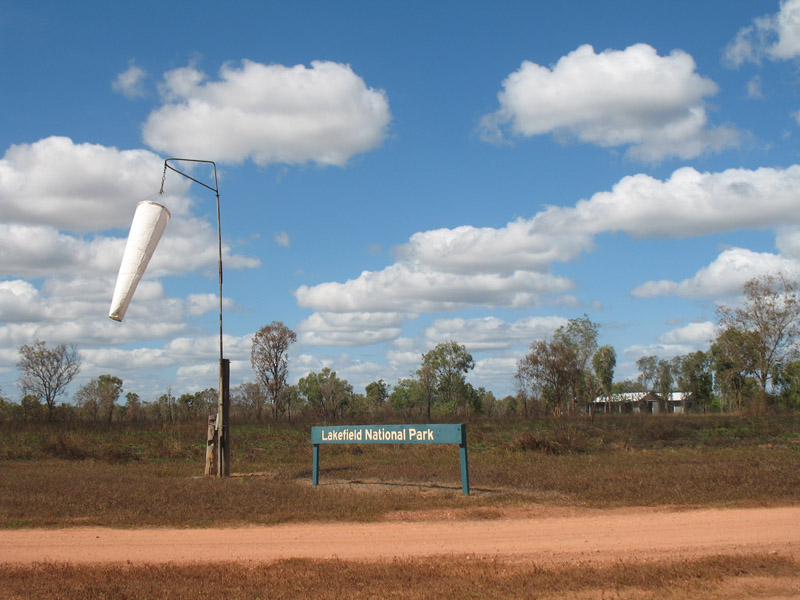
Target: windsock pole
223,403
149,223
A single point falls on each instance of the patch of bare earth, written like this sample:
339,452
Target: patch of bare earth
554,536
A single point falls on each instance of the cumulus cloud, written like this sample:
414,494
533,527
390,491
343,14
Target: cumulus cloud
723,277
697,334
664,351
689,203
349,329
53,192
282,239
78,187
130,83
775,36
450,269
491,333
58,259
633,97
403,356
520,245
196,359
269,114
411,287
494,372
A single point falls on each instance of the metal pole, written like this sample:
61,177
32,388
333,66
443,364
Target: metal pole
223,402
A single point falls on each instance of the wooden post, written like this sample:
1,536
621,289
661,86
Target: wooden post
223,426
211,446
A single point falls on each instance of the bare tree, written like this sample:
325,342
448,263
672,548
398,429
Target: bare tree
46,372
270,360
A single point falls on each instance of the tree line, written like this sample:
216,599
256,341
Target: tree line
753,365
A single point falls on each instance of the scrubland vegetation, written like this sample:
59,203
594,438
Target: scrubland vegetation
114,475
726,577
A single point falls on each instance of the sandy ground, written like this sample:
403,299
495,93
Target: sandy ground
562,537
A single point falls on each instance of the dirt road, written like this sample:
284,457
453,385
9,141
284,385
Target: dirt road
597,536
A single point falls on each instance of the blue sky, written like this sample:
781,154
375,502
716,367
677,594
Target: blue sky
392,175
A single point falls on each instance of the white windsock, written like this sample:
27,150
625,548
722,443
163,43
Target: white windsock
149,222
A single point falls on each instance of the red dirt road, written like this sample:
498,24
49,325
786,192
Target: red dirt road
599,536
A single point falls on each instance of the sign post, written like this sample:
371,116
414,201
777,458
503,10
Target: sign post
392,434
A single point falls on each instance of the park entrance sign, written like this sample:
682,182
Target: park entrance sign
392,434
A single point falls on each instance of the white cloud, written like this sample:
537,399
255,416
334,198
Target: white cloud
196,359
270,114
633,97
723,277
520,245
450,269
282,239
130,83
349,329
189,245
78,187
403,356
754,88
18,301
696,334
663,351
412,288
494,373
776,37
199,304
689,203
491,333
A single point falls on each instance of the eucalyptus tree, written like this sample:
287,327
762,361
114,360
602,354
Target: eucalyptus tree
648,369
46,372
98,397
270,359
604,361
581,333
550,373
733,364
695,377
326,393
447,366
769,318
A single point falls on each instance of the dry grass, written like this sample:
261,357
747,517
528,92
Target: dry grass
128,477
714,577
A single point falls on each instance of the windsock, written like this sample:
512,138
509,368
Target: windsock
149,222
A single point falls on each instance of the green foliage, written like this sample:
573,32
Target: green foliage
695,378
377,392
406,398
447,366
97,398
603,362
326,393
767,326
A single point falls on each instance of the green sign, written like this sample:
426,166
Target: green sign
388,434
392,434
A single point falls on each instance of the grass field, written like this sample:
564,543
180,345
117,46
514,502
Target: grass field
128,477
73,474
749,576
